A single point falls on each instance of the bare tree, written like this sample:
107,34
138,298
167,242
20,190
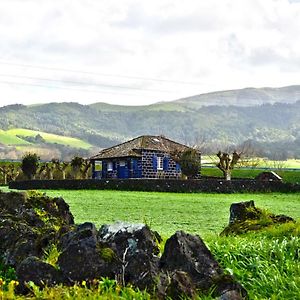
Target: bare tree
226,163
61,166
4,170
14,172
41,171
84,170
9,172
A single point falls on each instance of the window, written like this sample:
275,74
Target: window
98,165
109,166
122,163
160,163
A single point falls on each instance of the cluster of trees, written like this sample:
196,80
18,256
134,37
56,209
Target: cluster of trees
32,168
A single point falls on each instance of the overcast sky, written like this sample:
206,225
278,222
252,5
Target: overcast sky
136,52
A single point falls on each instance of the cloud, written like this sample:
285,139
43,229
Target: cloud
217,44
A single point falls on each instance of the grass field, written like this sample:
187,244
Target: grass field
10,137
204,214
287,176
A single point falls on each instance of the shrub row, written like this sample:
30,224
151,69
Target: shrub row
161,185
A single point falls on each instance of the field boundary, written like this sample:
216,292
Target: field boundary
160,185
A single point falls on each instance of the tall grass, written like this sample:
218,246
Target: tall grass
266,263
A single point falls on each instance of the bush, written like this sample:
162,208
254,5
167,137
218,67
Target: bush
29,166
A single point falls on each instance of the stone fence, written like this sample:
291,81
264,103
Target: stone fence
161,185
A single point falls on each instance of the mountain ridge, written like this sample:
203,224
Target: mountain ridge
185,120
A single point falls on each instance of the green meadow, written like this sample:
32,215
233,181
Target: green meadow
200,213
13,137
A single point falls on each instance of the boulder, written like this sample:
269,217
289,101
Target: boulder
188,253
42,274
136,247
83,257
176,285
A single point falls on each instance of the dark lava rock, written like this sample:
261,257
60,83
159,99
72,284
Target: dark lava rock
41,273
137,250
188,253
29,223
176,285
242,211
83,257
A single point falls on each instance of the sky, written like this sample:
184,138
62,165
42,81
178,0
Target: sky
138,52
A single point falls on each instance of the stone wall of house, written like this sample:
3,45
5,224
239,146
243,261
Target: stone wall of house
148,170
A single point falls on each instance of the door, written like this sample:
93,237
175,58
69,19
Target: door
122,169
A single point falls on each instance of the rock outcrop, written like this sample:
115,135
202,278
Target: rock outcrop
128,253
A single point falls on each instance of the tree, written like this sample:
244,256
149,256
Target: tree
189,161
4,170
30,163
61,167
227,163
76,164
85,168
14,172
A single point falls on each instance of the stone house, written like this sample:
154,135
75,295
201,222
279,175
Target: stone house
142,157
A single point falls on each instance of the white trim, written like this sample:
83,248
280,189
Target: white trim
110,166
160,163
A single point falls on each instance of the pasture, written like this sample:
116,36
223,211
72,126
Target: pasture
14,136
204,214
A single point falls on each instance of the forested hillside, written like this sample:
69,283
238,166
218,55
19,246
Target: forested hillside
269,126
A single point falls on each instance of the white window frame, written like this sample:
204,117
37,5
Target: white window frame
160,163
110,166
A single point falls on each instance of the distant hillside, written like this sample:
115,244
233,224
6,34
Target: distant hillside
192,120
243,97
15,142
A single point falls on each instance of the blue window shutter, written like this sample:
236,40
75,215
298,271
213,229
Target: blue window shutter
154,162
166,163
178,169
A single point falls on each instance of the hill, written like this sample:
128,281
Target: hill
15,142
270,126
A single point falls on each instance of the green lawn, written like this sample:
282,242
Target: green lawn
203,214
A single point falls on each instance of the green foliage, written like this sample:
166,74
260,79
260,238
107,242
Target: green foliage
30,163
190,162
77,162
7,274
51,255
104,289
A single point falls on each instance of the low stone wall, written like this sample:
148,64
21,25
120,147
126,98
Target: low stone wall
161,185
